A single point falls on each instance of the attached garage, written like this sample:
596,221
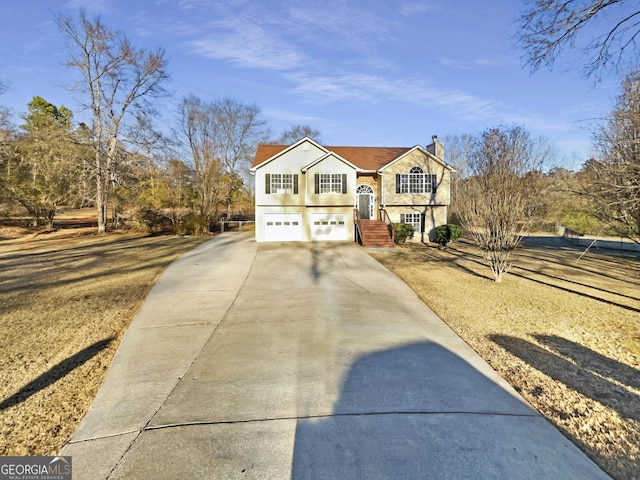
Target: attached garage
279,227
329,226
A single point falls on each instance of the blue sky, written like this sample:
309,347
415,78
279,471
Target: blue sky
363,72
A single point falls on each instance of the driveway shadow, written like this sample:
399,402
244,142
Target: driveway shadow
420,411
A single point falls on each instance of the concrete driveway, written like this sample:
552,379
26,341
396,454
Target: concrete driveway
305,361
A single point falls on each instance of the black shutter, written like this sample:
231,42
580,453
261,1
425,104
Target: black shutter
344,183
316,178
398,184
434,183
267,183
295,183
423,216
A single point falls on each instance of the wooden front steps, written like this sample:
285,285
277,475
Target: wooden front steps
375,234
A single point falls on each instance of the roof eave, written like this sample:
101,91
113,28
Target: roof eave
282,152
423,150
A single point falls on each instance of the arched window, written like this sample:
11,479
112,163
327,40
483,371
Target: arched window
416,181
364,188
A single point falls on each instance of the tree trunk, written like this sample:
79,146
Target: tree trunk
102,190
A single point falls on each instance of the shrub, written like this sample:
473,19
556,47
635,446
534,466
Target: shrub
194,224
448,233
152,220
402,231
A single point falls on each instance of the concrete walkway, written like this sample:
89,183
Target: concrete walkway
305,361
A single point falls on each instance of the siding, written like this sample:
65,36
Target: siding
291,162
429,166
335,166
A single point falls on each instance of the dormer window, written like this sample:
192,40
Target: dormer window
416,181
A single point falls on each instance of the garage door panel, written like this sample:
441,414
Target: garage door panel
329,226
282,227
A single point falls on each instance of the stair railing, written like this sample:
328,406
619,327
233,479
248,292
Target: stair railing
384,216
357,220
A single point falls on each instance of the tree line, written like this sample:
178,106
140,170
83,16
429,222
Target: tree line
120,161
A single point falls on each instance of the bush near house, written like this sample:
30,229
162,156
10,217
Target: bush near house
448,233
402,232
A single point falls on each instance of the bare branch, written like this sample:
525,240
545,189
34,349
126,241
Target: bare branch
549,27
115,79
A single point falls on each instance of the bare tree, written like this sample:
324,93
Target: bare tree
614,178
296,133
549,26
116,80
496,203
5,123
457,155
197,125
237,129
222,136
8,153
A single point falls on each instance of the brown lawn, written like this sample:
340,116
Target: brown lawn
66,299
564,332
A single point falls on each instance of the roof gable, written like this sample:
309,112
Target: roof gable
267,153
330,154
423,151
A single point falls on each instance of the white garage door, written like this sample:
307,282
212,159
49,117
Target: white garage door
280,227
329,226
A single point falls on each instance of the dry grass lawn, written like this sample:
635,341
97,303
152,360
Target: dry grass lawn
565,333
66,299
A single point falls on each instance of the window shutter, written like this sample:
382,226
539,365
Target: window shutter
402,218
295,183
344,183
398,186
316,178
422,219
267,183
434,183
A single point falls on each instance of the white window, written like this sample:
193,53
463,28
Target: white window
414,219
282,183
330,183
416,181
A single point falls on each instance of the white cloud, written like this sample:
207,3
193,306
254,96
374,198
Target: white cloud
415,8
471,64
456,64
247,45
291,117
373,88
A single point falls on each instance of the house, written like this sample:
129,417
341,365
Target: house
307,192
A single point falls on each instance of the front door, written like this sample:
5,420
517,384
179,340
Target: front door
364,205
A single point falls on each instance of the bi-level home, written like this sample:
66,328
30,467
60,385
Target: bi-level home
307,192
